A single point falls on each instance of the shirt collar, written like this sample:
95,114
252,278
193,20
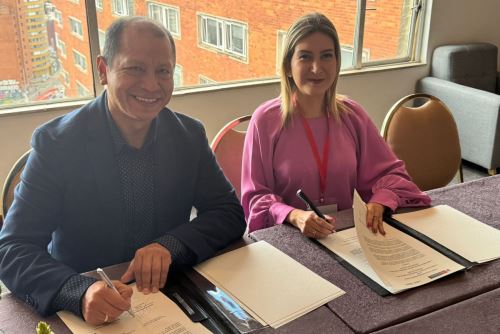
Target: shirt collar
120,143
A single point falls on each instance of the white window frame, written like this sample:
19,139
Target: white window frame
81,87
61,46
102,39
58,17
178,73
76,27
76,55
121,7
224,37
204,80
66,79
99,5
161,13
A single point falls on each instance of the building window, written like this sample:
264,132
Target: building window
166,15
98,5
223,34
82,91
121,7
76,27
347,56
61,46
102,39
58,17
280,41
80,61
249,33
178,75
204,80
65,77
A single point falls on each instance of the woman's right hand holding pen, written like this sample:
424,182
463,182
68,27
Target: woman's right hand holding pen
310,224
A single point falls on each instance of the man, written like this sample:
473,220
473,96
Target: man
115,181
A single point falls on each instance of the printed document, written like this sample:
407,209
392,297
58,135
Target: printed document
154,313
268,284
395,261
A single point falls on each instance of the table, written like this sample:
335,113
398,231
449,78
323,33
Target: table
466,302
365,311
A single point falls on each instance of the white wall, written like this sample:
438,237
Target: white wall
452,21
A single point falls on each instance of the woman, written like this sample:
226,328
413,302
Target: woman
312,139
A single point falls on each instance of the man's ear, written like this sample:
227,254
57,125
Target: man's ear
101,68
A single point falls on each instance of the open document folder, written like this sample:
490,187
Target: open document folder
396,261
154,313
268,284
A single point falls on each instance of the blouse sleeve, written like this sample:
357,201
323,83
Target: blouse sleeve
262,206
382,177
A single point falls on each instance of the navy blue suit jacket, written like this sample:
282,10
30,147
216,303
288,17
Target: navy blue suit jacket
69,201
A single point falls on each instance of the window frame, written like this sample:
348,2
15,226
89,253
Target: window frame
78,34
223,40
125,5
414,55
77,63
165,18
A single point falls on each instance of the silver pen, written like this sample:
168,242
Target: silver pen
110,285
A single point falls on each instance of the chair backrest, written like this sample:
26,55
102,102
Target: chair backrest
228,149
13,178
473,65
426,139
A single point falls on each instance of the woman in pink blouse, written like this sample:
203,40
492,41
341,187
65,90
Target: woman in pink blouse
312,139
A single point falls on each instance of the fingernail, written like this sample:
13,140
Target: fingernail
155,290
146,291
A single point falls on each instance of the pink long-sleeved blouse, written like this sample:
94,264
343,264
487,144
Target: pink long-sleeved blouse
277,161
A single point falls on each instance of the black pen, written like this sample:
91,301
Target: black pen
309,204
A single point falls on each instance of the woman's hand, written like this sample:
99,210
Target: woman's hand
310,224
374,216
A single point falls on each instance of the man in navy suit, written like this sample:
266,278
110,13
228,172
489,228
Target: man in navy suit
115,181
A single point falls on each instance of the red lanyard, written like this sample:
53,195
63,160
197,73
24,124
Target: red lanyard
321,163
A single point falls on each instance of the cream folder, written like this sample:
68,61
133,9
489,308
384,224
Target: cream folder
268,284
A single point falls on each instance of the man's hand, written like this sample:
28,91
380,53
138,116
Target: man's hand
310,224
374,216
101,304
149,268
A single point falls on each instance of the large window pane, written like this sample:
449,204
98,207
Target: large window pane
45,51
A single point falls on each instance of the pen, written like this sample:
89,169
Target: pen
309,204
110,285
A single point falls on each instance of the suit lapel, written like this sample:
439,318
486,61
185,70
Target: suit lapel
101,154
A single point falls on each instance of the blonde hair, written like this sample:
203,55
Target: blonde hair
303,27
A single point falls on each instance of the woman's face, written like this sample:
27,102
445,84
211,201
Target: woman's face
314,66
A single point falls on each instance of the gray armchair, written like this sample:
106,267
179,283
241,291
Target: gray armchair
465,78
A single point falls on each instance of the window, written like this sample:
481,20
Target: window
76,27
121,7
82,90
280,40
102,39
227,36
98,4
65,77
178,75
347,56
203,80
58,17
166,15
244,44
61,46
80,60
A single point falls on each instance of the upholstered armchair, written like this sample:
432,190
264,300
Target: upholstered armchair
465,78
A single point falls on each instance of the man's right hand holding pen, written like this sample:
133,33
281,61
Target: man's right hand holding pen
101,304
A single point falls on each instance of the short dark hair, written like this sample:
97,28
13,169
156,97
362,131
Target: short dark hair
115,31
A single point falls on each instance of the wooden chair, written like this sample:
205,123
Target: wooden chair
13,178
228,149
425,137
